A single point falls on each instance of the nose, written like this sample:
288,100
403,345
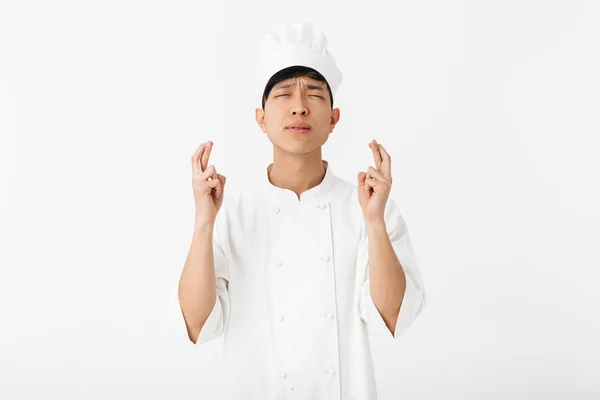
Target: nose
299,104
300,110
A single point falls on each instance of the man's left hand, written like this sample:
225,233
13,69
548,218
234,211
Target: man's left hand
374,185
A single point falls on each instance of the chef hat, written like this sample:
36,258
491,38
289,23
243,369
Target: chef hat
296,43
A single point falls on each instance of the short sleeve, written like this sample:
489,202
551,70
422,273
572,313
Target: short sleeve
414,296
217,321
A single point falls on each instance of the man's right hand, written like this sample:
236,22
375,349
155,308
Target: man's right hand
208,186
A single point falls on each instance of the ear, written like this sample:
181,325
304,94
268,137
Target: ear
335,117
259,115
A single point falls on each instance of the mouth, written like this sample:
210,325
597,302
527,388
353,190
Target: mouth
297,130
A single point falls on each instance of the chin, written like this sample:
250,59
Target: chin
297,147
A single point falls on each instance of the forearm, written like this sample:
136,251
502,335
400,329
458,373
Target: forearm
197,284
386,276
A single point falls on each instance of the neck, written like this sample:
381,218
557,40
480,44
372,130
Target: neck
296,172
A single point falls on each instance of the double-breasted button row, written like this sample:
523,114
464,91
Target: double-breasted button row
276,209
328,370
279,263
328,315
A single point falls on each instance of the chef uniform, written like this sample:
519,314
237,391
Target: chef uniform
293,298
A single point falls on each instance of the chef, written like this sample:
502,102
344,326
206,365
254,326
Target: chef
295,272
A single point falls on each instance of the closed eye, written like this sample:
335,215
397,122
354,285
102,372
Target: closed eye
313,95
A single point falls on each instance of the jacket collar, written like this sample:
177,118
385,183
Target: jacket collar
314,192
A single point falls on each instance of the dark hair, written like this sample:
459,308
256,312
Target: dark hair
295,71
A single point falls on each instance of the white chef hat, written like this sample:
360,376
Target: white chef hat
296,43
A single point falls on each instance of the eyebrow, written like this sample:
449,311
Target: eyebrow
292,84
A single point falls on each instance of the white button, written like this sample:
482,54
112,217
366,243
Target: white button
282,375
329,316
326,258
276,209
279,263
281,317
321,205
330,371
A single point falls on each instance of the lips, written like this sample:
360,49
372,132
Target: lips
298,127
299,130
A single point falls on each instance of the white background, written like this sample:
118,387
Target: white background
488,108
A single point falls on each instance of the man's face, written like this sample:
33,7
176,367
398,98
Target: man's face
300,100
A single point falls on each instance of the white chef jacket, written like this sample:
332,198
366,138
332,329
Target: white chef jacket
293,299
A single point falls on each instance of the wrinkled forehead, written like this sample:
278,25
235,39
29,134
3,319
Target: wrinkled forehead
303,81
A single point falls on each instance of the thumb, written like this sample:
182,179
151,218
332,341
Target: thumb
222,179
361,178
221,187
